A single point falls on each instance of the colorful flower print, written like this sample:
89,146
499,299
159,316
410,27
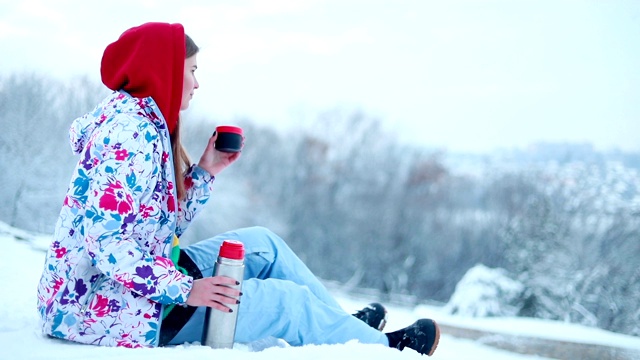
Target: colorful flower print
114,305
171,203
150,280
116,199
122,154
71,297
60,252
188,183
100,306
145,210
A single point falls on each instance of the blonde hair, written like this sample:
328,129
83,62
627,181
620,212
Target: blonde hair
181,161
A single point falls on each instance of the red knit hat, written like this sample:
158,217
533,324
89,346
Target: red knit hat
148,60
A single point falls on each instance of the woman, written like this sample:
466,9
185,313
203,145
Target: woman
115,275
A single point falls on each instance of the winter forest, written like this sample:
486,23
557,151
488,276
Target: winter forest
368,212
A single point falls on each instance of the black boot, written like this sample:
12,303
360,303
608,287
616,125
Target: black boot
422,336
374,315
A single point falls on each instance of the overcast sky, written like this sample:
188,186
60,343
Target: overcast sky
469,75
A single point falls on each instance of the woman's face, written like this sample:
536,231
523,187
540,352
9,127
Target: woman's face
189,83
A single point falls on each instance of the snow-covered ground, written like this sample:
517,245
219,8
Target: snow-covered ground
20,337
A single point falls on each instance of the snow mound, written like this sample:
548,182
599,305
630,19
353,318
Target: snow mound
484,292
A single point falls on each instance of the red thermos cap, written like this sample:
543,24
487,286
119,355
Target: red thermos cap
232,249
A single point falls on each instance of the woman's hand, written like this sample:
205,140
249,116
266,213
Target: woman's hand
214,292
214,161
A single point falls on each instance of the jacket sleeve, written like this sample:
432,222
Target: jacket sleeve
122,166
198,184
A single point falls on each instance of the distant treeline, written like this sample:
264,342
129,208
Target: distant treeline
363,209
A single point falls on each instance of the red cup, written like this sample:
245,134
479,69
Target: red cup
230,139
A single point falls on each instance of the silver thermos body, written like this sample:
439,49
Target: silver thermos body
220,326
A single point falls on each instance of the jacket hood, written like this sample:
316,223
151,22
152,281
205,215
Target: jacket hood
148,60
117,103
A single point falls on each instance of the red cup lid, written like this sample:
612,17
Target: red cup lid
229,129
232,249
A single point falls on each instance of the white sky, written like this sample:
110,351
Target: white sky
463,75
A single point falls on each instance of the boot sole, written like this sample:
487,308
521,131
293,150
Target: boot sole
436,340
383,322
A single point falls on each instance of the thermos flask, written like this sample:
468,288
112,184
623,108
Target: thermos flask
220,326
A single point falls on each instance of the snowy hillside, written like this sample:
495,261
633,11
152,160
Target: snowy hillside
20,338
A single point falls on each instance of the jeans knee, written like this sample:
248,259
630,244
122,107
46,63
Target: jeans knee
260,230
261,234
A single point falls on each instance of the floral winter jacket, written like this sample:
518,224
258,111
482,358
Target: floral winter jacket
107,273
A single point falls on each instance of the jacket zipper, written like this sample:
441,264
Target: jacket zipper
92,294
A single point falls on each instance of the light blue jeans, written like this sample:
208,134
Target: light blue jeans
281,297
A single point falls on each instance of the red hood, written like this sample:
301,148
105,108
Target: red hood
148,60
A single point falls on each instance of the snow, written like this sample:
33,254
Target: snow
20,338
485,292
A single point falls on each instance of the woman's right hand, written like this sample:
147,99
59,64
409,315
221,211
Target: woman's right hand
214,161
214,292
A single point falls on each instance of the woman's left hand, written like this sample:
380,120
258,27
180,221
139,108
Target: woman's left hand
214,161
